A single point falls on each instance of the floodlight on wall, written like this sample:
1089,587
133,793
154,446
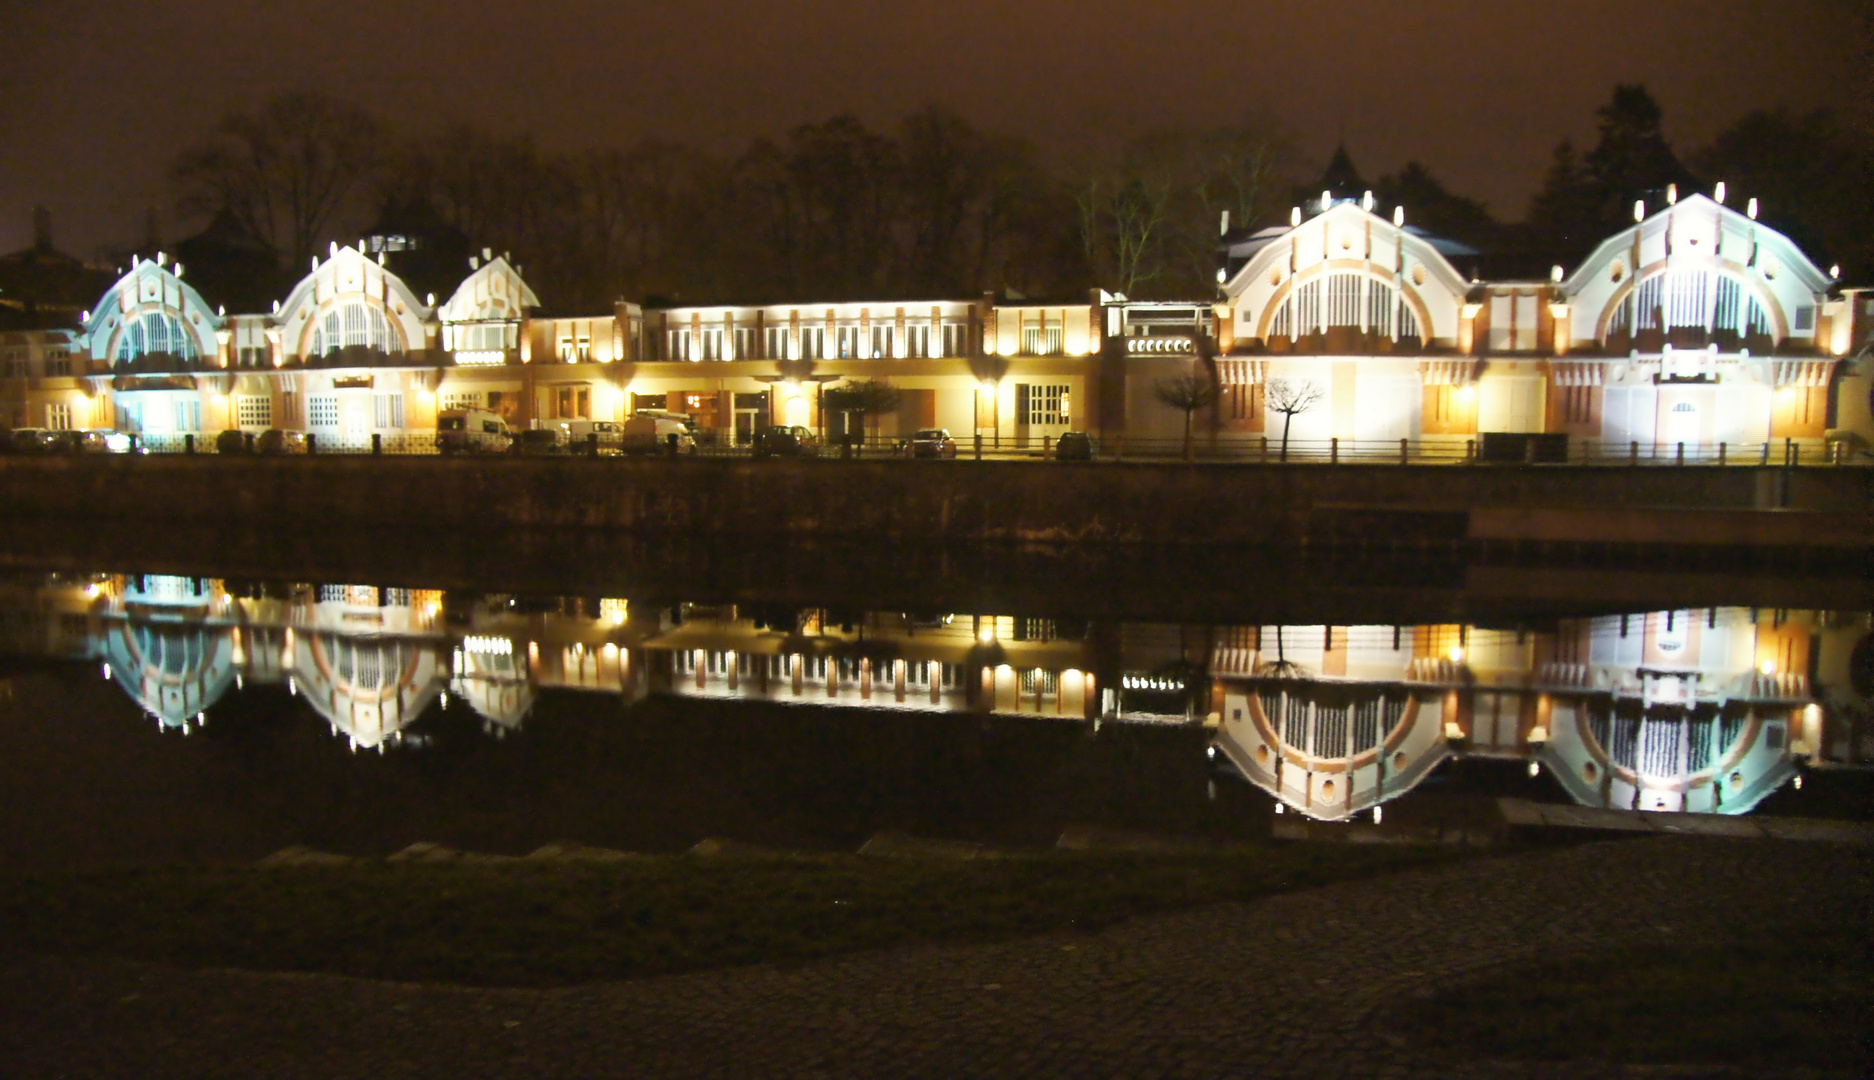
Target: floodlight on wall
1717,193
1750,209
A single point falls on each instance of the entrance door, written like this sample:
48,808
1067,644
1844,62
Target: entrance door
1681,426
749,410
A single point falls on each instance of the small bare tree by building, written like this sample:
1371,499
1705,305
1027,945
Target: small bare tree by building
1187,393
1291,397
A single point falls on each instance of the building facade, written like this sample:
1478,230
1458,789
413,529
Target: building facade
1696,332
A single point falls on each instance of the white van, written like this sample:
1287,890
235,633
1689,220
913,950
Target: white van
649,432
472,431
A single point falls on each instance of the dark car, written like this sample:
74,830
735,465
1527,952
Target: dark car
783,441
1073,446
933,443
536,442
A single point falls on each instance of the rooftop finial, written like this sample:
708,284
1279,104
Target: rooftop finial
1717,193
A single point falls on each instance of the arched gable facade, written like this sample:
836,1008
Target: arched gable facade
1692,275
350,311
152,321
482,321
1346,280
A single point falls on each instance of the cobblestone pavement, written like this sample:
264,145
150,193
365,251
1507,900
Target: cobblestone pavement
1280,987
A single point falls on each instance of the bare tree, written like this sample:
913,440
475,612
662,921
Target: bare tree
285,171
869,399
1121,216
1290,398
1188,393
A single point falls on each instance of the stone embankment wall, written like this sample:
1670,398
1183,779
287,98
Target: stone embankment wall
905,502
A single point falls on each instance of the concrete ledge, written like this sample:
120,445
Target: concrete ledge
1526,814
1168,504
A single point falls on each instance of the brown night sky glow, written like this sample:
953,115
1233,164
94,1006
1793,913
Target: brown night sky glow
96,95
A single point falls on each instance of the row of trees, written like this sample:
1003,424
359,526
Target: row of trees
936,206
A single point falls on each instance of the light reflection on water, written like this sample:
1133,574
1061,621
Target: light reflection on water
1698,709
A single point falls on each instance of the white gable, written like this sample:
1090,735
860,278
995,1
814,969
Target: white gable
1346,240
1706,262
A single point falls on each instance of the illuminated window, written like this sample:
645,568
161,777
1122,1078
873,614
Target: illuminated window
322,411
882,342
355,324
1044,404
253,412
389,410
1042,340
59,417
1335,301
157,333
956,339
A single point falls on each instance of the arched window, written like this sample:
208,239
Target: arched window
1688,298
354,324
157,332
1338,296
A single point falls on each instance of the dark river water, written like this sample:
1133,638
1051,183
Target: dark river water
161,717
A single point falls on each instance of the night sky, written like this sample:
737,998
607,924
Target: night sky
96,95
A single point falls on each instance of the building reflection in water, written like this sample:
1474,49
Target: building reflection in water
1705,710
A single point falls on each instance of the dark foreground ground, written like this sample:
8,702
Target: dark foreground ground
1361,978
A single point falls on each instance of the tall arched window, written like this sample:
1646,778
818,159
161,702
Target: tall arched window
1691,298
157,332
353,324
1338,296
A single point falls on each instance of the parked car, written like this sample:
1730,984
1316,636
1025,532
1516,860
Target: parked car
576,433
472,431
933,443
650,432
536,442
33,440
275,441
107,441
1073,446
783,441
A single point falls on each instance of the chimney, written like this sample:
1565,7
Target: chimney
42,228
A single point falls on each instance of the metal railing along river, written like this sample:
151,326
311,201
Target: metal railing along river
1491,449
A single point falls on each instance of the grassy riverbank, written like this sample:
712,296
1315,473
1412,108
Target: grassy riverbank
560,922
